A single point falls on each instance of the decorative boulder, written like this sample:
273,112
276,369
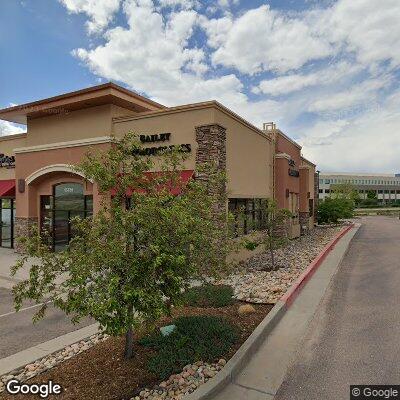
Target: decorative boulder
246,309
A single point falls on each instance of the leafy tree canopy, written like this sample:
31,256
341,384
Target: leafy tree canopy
126,266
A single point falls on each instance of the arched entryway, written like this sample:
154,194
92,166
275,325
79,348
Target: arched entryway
50,197
67,201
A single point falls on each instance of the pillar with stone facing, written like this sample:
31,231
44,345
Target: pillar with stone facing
304,211
22,228
211,150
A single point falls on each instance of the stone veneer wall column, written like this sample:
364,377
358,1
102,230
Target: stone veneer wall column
22,228
211,140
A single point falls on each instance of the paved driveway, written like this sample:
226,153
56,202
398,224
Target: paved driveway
8,258
355,335
16,329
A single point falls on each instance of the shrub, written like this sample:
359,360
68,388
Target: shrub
369,202
333,209
250,245
196,338
208,296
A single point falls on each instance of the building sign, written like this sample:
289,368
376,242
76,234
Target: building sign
7,161
292,171
160,137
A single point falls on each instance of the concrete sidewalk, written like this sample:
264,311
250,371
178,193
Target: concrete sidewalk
34,353
8,257
263,375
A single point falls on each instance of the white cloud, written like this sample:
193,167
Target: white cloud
363,94
100,12
263,39
332,66
294,82
185,4
152,56
8,128
369,29
369,142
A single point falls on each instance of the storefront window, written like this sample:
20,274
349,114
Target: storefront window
7,214
248,215
67,202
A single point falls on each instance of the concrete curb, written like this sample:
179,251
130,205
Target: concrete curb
295,289
253,342
28,356
239,359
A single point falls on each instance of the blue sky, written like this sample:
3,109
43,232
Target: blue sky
327,72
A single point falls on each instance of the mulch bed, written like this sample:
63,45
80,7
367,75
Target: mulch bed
101,373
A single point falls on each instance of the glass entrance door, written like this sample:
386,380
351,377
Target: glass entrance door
7,214
68,201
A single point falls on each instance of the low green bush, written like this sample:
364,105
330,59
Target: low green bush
250,245
196,338
208,296
331,210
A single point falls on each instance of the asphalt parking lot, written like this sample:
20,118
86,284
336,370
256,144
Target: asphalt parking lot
17,332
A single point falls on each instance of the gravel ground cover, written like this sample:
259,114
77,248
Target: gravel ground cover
100,372
50,361
107,376
254,281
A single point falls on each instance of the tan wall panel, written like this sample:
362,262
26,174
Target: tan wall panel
81,124
7,146
249,160
117,111
28,163
181,125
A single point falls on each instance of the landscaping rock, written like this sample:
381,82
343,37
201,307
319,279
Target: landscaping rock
246,309
50,361
254,281
188,381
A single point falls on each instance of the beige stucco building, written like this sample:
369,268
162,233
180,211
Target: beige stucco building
39,185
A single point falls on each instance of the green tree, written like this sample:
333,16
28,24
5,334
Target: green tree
331,209
275,220
126,266
371,194
345,191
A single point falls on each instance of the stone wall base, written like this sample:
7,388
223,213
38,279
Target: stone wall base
22,228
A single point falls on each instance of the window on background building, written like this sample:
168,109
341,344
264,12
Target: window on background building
320,191
392,191
380,191
327,190
321,181
386,191
327,181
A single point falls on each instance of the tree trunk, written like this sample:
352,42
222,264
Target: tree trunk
129,344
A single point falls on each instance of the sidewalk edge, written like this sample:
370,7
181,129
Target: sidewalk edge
28,356
250,346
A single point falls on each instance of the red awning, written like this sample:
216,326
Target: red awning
184,178
7,188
